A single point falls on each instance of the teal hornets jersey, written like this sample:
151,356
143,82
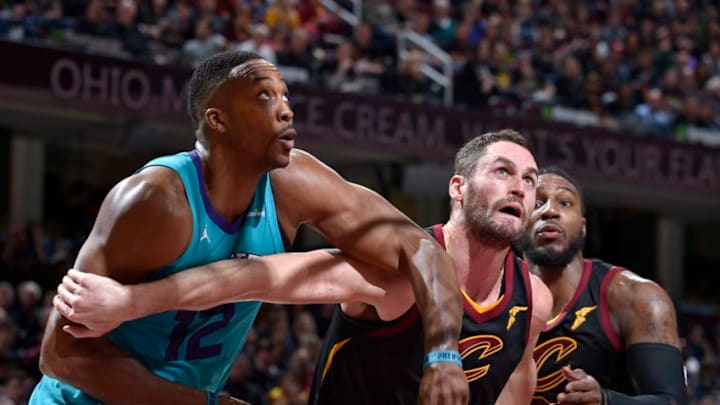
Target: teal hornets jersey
194,348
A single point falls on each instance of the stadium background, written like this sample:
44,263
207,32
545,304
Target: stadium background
623,94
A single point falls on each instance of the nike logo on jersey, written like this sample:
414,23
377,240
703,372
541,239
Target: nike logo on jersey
581,315
256,214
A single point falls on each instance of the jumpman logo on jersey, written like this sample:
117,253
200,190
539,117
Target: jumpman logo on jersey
580,316
513,313
205,235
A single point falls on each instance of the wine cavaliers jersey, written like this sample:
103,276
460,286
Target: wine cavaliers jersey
374,362
581,336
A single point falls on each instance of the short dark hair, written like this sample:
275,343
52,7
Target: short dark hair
467,157
211,73
557,171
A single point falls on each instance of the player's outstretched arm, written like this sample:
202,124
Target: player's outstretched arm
521,385
368,228
647,326
98,304
139,227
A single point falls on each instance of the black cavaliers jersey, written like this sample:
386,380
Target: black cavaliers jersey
581,336
375,362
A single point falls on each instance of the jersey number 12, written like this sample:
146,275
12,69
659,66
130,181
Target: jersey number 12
194,350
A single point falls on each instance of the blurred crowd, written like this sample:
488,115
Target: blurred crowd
647,66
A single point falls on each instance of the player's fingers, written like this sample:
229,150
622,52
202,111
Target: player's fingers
69,298
573,398
79,331
578,386
573,375
63,308
70,284
76,275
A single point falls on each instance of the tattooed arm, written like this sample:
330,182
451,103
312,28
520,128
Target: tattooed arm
644,317
642,311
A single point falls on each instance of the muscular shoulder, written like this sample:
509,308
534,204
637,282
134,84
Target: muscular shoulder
643,310
144,223
303,187
156,193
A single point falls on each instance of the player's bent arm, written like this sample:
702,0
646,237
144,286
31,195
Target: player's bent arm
521,385
368,228
137,228
646,320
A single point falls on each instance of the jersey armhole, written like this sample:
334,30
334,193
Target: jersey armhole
607,326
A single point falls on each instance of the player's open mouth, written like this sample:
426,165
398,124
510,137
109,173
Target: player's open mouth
513,209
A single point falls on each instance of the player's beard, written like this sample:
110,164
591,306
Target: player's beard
478,215
547,256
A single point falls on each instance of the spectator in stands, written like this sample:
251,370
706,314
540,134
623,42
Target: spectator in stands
443,24
476,83
410,81
203,45
404,10
259,43
239,384
296,62
316,19
27,314
653,114
570,85
14,387
9,358
337,72
379,14
209,9
180,26
621,103
96,21
7,298
282,15
126,30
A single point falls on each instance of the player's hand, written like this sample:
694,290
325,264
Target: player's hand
95,304
580,389
228,400
444,384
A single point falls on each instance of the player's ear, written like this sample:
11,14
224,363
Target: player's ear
456,187
215,119
584,227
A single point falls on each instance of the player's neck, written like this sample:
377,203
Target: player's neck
230,183
479,266
562,282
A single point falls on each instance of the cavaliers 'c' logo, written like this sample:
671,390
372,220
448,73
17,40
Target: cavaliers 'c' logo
550,355
482,346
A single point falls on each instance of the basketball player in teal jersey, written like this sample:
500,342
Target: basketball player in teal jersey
375,338
239,193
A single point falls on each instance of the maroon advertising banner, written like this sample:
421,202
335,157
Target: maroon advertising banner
113,87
